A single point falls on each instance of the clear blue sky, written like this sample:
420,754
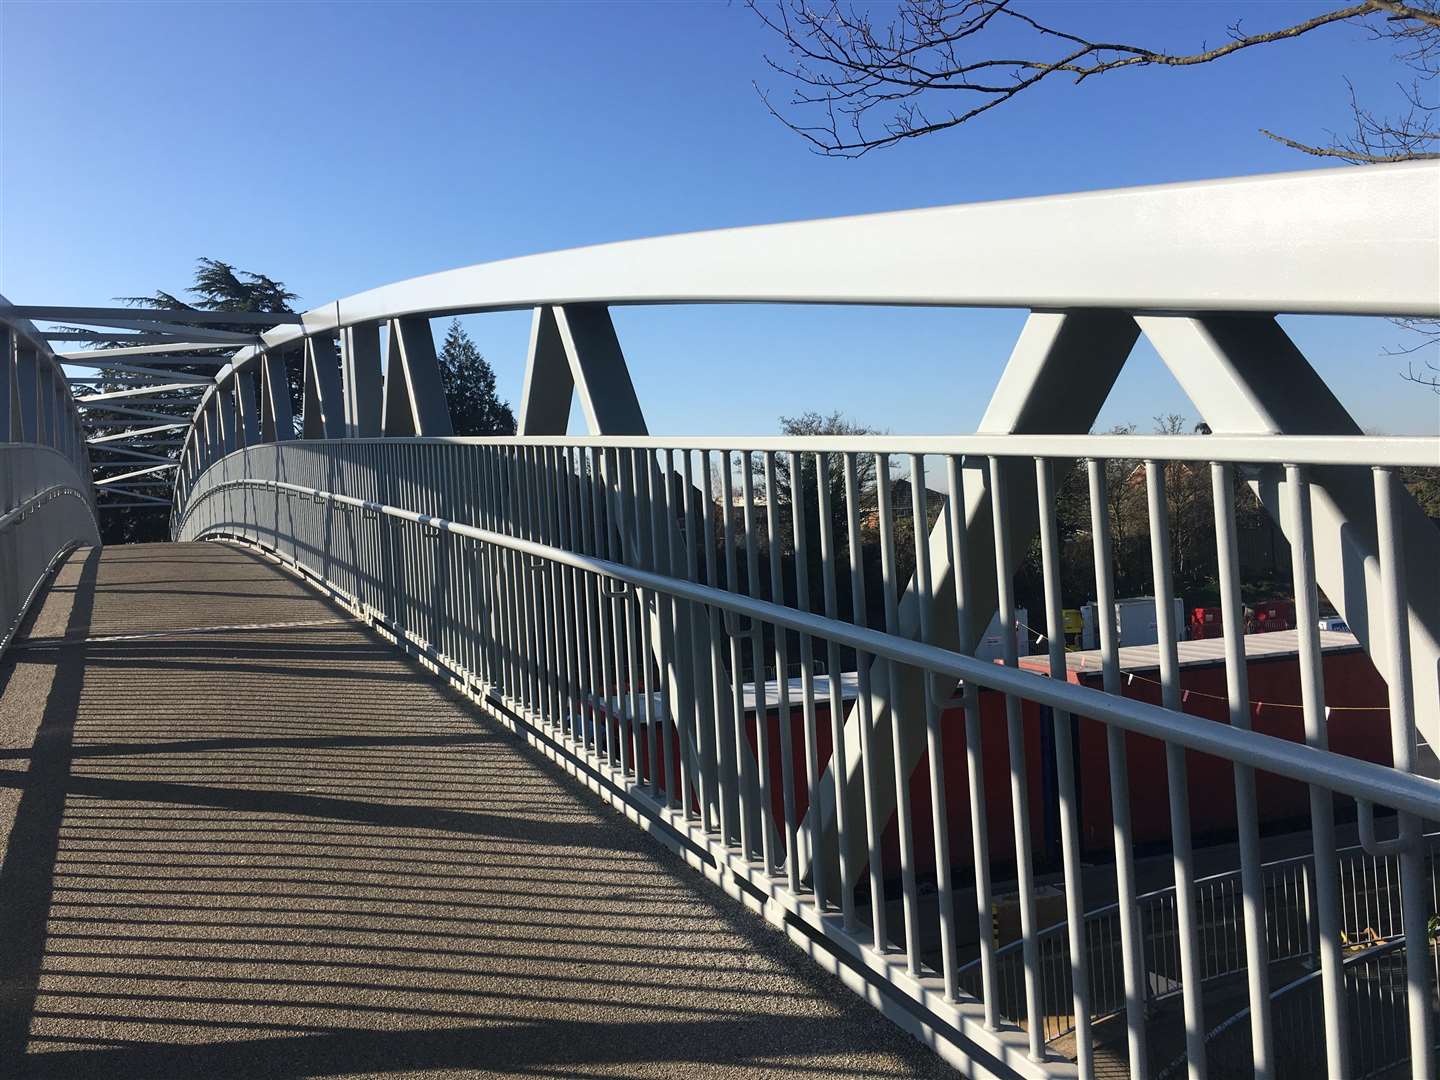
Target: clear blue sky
340,146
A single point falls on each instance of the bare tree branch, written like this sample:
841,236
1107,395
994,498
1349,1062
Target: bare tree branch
1428,375
1425,14
1355,157
857,86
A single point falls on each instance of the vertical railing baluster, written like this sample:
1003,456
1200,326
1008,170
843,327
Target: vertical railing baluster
904,821
1015,733
1322,805
609,645
592,670
757,668
633,621
541,572
561,530
721,737
665,609
744,759
683,704
880,934
1222,489
807,663
782,672
1176,772
649,612
1065,768
957,527
1399,677
697,620
825,513
934,739
613,550
555,583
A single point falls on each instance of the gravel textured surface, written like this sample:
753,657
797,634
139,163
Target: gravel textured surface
244,837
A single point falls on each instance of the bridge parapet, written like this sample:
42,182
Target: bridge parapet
47,499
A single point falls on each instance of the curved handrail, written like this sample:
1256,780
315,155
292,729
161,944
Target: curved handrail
1390,451
1324,241
19,513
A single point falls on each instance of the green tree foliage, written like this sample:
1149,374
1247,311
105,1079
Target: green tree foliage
814,424
217,286
1189,505
1424,484
475,407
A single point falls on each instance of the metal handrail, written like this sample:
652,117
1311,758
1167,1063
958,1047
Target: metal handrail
1263,239
17,514
1354,451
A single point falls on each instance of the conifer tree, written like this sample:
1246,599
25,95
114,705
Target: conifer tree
475,407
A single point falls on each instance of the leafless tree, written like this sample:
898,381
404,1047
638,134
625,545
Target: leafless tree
859,84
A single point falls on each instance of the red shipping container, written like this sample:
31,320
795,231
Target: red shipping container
1358,727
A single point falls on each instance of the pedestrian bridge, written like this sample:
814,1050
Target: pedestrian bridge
621,754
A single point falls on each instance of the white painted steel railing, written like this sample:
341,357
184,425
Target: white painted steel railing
47,501
616,598
45,510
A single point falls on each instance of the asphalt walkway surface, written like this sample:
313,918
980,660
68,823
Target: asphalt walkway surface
243,836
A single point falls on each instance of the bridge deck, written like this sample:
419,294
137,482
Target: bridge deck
249,839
